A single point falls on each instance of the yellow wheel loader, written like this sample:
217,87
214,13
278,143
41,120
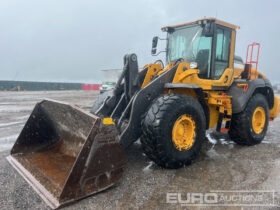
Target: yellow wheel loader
67,154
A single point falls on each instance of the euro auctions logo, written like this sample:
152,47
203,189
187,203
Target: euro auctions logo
257,198
192,198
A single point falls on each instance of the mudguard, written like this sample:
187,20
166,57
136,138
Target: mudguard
241,95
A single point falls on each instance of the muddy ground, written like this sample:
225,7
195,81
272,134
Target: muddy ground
221,166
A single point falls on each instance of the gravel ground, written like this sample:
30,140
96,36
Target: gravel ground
221,165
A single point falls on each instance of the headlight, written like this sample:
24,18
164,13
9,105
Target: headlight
193,65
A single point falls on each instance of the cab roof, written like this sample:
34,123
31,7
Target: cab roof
219,22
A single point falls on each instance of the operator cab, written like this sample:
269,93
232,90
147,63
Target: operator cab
207,44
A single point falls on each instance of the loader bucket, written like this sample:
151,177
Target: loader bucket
66,154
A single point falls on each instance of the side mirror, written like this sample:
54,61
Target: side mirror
154,45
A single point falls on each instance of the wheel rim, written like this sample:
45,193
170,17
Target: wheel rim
183,132
258,120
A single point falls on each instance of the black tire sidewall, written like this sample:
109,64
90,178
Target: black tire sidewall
241,130
99,101
157,128
172,115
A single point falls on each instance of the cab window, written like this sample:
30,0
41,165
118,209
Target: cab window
222,51
202,49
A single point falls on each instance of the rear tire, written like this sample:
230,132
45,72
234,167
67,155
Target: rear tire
242,130
158,126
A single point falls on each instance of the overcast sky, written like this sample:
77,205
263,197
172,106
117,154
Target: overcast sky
67,40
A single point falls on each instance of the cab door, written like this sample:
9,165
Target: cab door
222,49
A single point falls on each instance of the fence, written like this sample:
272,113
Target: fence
40,86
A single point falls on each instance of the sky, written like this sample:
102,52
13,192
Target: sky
71,41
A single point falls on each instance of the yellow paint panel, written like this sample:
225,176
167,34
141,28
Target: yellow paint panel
226,79
108,121
214,116
153,69
232,48
273,113
219,22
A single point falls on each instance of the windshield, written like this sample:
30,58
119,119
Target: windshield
190,44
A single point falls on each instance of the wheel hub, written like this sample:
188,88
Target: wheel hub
183,132
258,120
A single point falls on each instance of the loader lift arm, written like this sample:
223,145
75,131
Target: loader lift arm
127,108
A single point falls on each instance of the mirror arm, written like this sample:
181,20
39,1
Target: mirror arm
158,53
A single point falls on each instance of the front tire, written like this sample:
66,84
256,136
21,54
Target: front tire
100,100
250,126
173,130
